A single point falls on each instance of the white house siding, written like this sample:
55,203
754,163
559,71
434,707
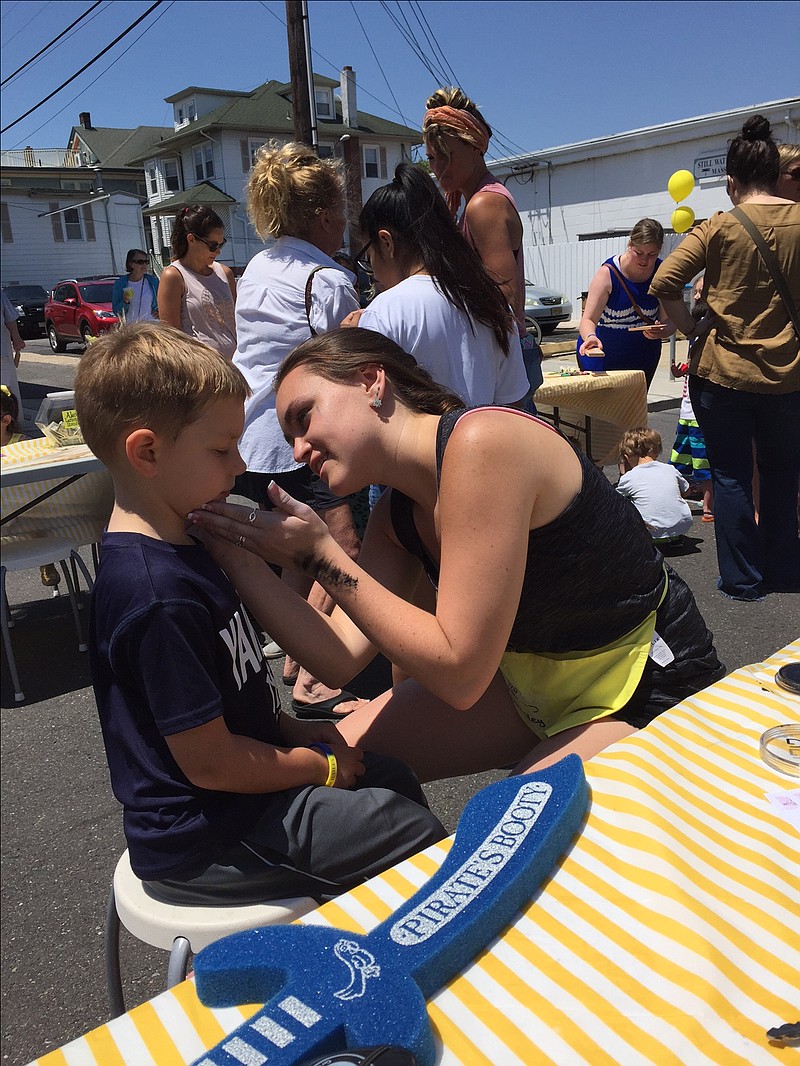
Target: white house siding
609,184
34,256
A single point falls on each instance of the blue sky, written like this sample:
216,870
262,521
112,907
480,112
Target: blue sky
543,73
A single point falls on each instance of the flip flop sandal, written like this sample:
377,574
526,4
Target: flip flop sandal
708,517
289,682
323,708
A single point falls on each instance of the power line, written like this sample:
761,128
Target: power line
333,66
41,51
412,42
419,15
84,67
25,26
66,40
102,72
380,68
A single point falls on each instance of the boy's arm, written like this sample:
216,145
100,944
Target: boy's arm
213,758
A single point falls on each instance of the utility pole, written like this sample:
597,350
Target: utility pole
300,72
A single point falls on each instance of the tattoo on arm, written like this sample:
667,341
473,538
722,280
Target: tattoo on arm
327,574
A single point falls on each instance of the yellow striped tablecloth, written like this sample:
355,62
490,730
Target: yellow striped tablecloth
668,935
614,400
76,512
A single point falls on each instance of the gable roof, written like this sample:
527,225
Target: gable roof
206,193
267,110
114,147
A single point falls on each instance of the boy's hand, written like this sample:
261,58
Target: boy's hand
350,765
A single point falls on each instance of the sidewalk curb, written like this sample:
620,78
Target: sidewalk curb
664,405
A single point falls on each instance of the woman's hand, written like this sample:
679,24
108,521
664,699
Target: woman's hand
655,332
292,535
592,346
352,319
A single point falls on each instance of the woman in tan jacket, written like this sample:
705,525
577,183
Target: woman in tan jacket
744,366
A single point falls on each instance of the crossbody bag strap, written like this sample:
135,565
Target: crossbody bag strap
771,263
308,298
629,294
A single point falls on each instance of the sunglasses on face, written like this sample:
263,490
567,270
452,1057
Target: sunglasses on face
139,262
361,258
213,246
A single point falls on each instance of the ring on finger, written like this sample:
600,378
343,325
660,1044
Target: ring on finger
252,516
240,542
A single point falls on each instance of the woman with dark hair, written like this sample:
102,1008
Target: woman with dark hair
435,300
135,294
537,646
197,294
744,364
620,322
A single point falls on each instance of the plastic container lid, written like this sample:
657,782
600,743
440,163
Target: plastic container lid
780,748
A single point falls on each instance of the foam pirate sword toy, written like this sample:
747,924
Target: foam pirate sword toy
325,989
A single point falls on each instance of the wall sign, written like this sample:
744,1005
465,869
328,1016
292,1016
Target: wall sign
711,166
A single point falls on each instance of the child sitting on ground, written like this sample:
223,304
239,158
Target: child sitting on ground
654,488
224,795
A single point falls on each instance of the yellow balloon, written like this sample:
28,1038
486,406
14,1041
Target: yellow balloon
680,185
682,219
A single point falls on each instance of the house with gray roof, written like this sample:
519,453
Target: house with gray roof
207,156
75,210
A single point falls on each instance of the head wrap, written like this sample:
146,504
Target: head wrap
456,122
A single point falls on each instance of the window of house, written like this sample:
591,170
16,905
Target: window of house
72,224
152,180
5,224
171,176
323,103
203,162
191,111
249,149
180,116
325,151
374,161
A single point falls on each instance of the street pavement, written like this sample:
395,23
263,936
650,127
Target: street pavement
61,827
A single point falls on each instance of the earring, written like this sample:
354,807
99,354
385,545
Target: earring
376,402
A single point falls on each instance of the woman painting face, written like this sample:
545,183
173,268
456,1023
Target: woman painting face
327,422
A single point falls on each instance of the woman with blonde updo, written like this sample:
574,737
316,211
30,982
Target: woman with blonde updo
789,177
292,291
456,141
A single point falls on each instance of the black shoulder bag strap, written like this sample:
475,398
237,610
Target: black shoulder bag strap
771,263
308,298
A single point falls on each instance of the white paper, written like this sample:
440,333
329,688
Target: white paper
786,803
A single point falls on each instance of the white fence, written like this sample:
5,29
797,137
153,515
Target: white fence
570,267
42,157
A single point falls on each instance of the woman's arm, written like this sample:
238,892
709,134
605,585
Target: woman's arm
153,281
484,537
117,302
596,300
331,647
170,294
496,231
231,280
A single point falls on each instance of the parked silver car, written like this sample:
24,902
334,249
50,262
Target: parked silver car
546,307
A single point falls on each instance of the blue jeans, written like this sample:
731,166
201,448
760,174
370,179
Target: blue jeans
753,557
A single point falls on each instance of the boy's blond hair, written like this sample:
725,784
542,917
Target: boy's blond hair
148,374
641,442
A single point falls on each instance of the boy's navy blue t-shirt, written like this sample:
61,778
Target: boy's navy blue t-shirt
172,648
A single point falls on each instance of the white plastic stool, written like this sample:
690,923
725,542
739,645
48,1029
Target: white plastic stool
178,928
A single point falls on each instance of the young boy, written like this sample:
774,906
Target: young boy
654,488
224,796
